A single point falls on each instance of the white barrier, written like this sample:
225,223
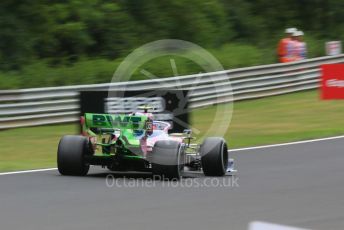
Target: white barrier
51,105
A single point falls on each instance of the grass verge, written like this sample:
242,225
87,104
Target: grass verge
270,120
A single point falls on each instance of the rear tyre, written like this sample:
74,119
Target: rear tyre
214,156
167,159
71,154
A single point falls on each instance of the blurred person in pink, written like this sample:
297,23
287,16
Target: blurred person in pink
300,47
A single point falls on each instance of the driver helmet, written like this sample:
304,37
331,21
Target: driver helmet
149,115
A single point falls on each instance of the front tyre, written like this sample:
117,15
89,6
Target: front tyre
214,156
167,159
71,154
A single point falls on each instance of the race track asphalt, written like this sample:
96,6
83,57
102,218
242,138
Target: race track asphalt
298,185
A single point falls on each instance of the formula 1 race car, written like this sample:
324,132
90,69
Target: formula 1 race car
135,142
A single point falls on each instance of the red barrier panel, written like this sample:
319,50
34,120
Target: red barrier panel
332,81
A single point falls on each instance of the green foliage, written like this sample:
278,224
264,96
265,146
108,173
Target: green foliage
59,37
237,55
41,74
89,71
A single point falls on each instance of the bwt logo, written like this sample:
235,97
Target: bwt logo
115,105
335,83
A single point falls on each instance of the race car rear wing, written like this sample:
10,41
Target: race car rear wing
118,121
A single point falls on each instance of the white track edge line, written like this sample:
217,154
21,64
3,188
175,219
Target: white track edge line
27,171
232,150
285,144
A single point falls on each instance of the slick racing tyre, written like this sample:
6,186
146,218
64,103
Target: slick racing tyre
167,159
71,154
214,156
